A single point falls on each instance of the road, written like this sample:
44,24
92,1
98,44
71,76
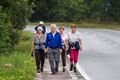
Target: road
100,59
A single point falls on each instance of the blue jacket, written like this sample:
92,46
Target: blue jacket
53,42
43,27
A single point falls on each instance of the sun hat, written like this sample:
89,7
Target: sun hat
41,22
39,28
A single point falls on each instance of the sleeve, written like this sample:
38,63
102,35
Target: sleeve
46,41
79,36
60,40
36,28
45,37
44,29
66,37
34,39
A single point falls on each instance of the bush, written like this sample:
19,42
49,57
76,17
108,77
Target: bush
13,18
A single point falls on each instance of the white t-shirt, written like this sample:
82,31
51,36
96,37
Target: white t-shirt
64,37
73,37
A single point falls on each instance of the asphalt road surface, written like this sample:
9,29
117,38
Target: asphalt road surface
101,56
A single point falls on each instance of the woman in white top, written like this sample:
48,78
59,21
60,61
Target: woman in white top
64,44
75,46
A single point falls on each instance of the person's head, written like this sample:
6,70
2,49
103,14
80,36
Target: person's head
41,23
61,29
73,28
53,28
39,30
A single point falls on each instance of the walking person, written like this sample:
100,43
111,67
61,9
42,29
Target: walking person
53,48
38,47
41,24
75,46
64,44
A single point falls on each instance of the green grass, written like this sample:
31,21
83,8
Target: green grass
22,65
111,26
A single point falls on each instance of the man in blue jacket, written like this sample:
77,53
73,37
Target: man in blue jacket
53,48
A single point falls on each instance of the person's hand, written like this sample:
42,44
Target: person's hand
81,48
60,50
32,52
45,50
66,48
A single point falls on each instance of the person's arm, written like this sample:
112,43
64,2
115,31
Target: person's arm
32,47
45,29
81,42
60,42
66,44
46,44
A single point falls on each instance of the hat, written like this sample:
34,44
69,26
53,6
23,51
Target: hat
73,25
41,22
40,28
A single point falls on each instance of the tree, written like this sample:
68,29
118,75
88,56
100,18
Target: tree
13,18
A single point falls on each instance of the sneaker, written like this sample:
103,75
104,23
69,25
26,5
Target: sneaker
63,69
53,72
41,69
38,71
71,67
56,70
75,69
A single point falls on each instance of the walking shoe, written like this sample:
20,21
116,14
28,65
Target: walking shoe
63,69
38,71
56,70
71,67
41,69
53,72
75,69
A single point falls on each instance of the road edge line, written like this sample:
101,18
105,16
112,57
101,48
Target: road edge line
81,71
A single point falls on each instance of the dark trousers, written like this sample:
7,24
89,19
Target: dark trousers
40,58
63,56
54,56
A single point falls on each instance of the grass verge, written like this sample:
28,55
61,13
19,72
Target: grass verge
110,26
18,65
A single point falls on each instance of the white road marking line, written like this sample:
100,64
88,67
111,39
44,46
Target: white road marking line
72,74
74,78
82,71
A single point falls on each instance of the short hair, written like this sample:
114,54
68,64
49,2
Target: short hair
53,26
61,27
73,25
